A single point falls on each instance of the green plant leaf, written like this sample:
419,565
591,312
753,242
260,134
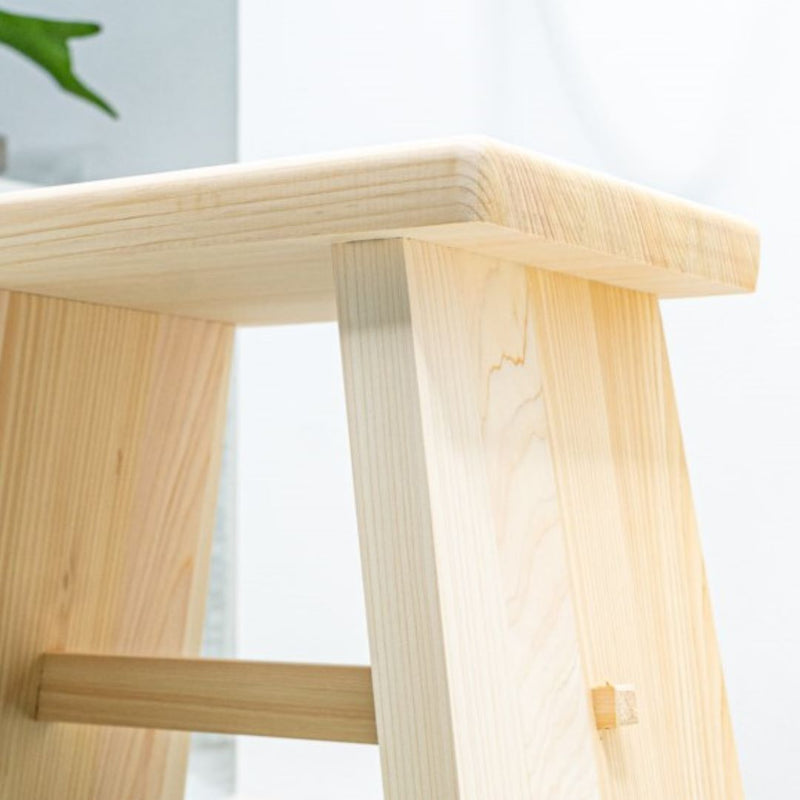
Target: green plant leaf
45,41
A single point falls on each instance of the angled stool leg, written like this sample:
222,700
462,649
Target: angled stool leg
110,434
528,541
638,577
475,661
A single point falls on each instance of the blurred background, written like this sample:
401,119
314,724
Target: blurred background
694,98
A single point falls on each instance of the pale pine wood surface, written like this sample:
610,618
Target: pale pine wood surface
504,378
638,580
250,244
110,431
301,701
614,706
599,569
447,722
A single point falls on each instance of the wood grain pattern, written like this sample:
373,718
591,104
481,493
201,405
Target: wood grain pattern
110,431
298,701
450,359
504,377
250,244
447,723
467,586
638,581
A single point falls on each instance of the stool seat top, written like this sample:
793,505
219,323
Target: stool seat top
250,243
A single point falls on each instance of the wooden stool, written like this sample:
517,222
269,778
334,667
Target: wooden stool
531,564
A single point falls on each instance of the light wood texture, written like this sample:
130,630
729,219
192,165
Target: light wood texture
614,706
525,518
450,359
298,701
505,382
110,431
478,682
251,244
638,582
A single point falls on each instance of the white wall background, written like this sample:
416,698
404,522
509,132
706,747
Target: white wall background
694,98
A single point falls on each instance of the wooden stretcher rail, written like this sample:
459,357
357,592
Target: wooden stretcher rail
297,701
256,698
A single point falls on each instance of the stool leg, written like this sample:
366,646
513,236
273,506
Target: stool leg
476,671
528,539
110,434
641,598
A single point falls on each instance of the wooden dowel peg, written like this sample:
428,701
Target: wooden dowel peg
614,706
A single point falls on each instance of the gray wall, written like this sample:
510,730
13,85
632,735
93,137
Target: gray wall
168,67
